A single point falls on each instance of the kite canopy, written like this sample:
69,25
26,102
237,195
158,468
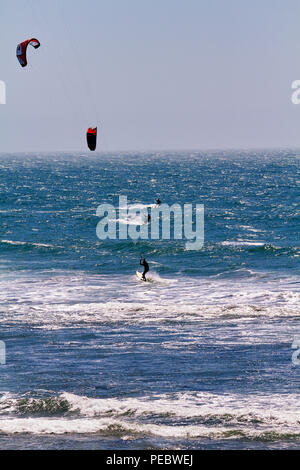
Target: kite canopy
22,48
91,138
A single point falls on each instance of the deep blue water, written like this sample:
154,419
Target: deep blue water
201,356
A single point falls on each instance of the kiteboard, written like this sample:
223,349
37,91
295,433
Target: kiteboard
140,276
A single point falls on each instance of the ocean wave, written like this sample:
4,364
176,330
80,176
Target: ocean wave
263,247
58,301
242,243
91,314
120,429
28,244
179,415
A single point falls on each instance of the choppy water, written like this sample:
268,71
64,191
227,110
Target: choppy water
198,358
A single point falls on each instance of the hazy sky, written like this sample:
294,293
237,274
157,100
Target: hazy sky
153,74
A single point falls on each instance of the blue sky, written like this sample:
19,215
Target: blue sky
153,74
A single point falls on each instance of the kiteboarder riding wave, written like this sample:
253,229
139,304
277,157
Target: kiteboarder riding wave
144,263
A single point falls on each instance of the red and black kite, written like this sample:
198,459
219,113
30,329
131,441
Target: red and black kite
91,138
22,48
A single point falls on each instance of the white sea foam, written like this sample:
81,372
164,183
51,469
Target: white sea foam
185,415
242,243
14,242
53,300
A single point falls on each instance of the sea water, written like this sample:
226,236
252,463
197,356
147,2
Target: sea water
199,358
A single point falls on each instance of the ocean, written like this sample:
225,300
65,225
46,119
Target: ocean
198,358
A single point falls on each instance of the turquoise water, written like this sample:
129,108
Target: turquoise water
201,356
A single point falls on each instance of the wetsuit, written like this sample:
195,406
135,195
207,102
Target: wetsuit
144,263
158,202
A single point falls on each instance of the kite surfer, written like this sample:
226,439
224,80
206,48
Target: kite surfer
144,263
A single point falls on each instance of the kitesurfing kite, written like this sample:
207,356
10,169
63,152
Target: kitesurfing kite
91,138
22,48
